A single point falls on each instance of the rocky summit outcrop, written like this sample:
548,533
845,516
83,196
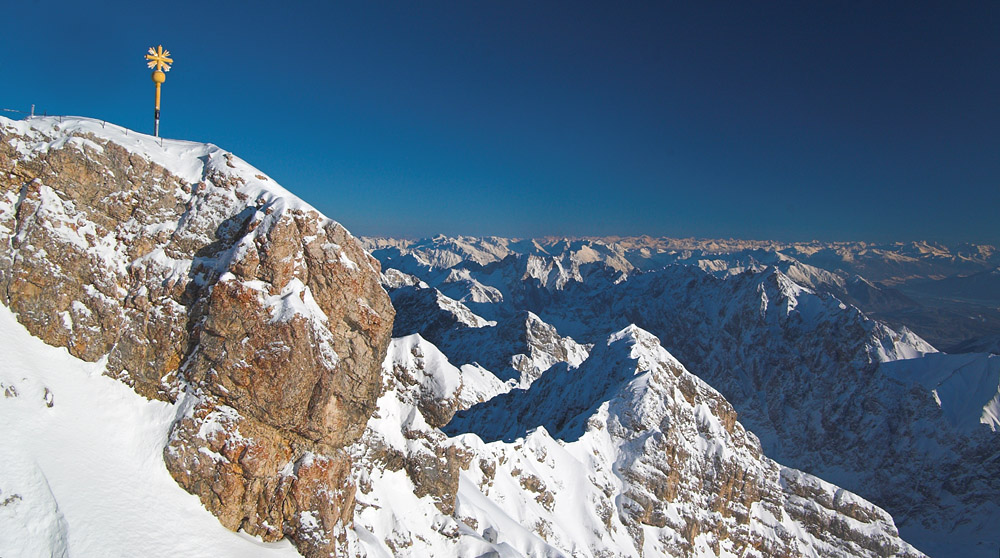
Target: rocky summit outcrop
200,281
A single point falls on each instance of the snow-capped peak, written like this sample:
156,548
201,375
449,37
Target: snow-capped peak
188,160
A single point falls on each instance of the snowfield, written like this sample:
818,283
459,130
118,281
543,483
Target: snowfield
81,465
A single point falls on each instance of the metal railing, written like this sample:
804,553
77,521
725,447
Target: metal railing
31,114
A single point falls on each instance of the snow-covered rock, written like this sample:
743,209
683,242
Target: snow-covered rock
626,454
190,274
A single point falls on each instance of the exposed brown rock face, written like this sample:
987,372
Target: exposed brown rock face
257,478
208,284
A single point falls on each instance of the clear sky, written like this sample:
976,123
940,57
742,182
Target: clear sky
791,121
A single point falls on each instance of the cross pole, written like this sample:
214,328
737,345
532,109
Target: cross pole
159,61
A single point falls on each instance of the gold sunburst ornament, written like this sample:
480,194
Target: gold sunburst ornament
159,61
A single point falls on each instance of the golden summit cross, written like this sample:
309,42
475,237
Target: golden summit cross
159,61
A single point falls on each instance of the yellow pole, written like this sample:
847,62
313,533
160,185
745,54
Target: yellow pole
159,61
158,78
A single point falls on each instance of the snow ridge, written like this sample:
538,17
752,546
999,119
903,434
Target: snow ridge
626,454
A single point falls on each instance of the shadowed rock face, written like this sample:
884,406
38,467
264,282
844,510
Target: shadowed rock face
215,289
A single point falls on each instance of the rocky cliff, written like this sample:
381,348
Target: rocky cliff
196,279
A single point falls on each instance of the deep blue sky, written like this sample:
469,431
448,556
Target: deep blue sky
792,121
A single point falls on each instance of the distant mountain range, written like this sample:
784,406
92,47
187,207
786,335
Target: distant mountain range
949,295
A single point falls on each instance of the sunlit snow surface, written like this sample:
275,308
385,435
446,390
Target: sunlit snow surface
965,386
85,476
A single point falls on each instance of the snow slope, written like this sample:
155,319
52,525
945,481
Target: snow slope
966,386
81,465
